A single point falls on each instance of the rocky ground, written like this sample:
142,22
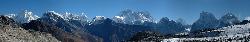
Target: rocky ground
10,32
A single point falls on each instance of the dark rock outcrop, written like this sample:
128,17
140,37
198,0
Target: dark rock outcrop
147,36
6,21
11,32
243,22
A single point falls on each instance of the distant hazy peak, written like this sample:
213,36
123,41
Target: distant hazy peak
164,19
206,15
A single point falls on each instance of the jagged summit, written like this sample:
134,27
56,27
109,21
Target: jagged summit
135,17
24,17
206,20
228,19
29,15
97,20
65,17
66,27
206,15
228,16
164,19
69,16
118,19
53,15
167,26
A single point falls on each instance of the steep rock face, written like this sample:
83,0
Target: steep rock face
102,28
228,19
10,32
167,26
207,20
111,31
63,28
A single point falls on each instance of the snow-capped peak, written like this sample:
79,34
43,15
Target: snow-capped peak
65,17
53,13
26,17
188,29
69,16
118,19
11,15
135,17
97,18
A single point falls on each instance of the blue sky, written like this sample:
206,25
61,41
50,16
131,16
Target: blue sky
187,9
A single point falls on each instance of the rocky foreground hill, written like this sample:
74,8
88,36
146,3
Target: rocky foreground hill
10,32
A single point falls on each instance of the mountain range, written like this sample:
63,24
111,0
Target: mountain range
128,26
